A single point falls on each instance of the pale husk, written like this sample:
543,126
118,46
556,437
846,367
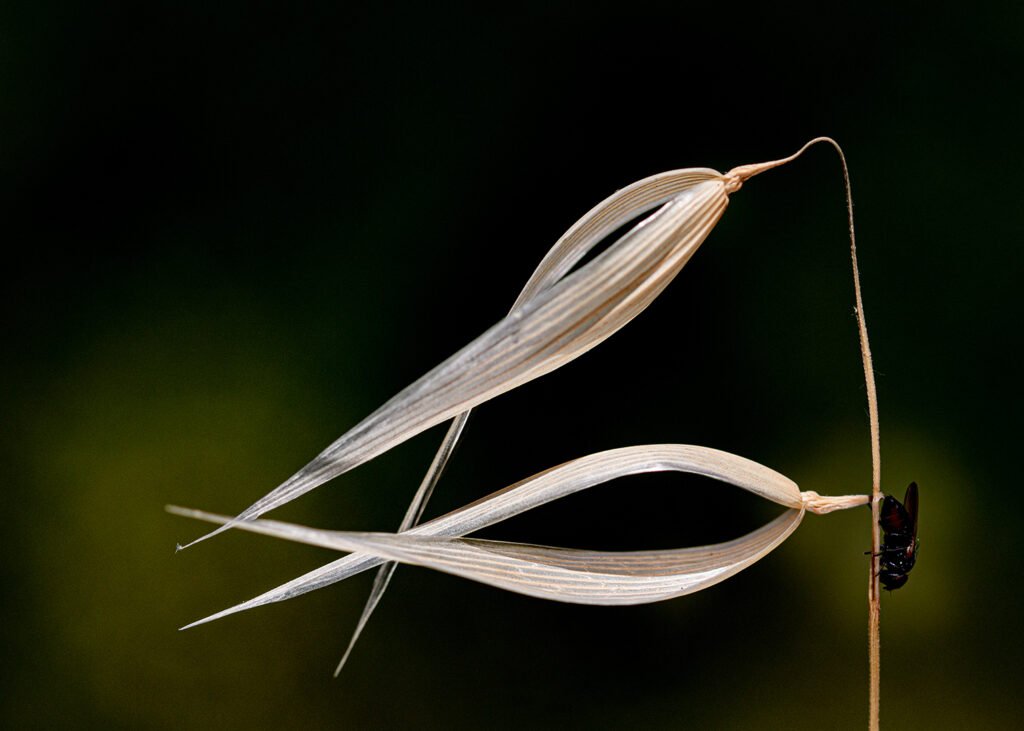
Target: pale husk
559,574
558,317
537,490
612,213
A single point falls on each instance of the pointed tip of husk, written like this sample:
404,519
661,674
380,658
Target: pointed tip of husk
226,523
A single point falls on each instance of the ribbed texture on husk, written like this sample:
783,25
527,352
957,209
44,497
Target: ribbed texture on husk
557,318
542,488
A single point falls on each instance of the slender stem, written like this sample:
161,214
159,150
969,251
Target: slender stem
874,629
874,595
735,178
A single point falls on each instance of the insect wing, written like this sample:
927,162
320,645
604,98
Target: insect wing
894,517
910,505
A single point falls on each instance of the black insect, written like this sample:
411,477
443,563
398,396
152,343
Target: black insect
899,539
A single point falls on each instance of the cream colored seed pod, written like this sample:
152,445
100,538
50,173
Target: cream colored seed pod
559,315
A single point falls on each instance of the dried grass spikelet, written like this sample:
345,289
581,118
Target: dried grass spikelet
559,315
560,574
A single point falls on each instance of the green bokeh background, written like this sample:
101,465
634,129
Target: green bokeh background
233,230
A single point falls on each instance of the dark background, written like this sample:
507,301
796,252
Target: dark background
233,230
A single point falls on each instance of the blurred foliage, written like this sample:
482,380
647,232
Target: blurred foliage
234,230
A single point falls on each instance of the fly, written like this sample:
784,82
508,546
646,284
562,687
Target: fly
899,541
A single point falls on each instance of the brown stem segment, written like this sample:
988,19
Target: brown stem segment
874,604
874,594
734,181
874,629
